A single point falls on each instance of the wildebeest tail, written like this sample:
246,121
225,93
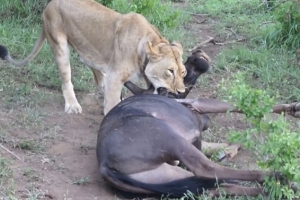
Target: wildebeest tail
174,189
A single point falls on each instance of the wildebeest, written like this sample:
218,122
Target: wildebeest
142,134
196,64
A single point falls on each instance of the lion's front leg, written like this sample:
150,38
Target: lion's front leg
112,91
62,58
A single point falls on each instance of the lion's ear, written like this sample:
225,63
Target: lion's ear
178,47
152,52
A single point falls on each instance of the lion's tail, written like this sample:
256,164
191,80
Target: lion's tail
37,47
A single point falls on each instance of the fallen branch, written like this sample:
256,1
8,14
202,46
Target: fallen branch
265,23
279,4
236,36
212,40
10,152
198,22
229,42
263,3
197,14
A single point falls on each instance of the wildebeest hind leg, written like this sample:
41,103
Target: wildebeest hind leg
172,181
235,190
163,174
201,166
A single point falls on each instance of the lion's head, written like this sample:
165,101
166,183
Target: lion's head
165,68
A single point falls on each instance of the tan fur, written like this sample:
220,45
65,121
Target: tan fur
116,47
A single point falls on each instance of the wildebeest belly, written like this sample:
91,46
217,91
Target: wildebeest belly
175,114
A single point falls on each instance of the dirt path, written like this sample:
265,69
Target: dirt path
66,168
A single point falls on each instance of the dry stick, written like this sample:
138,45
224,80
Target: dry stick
236,36
210,39
198,22
264,2
12,153
276,6
197,14
265,23
229,42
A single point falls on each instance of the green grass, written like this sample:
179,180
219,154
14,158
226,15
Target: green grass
31,145
4,170
33,193
273,69
82,181
6,181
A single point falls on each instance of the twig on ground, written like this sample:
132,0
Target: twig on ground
236,36
279,4
229,42
197,14
12,153
263,3
199,22
265,23
212,40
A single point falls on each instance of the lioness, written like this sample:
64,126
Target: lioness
117,47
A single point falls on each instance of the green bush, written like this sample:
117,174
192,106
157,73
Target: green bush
287,30
28,11
162,15
270,138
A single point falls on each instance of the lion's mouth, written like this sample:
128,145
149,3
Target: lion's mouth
168,90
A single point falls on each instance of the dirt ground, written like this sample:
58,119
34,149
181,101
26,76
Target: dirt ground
66,168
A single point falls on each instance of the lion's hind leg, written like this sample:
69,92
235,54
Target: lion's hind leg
61,53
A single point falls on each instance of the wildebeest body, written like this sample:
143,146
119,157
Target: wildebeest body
140,138
152,114
138,125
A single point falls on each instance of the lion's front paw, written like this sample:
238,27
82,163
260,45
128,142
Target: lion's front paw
75,108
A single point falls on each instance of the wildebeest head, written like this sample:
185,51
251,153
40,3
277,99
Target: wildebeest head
196,64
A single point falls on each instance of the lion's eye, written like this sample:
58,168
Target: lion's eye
171,70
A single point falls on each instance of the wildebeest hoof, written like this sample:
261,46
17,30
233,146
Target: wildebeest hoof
297,110
174,162
229,152
279,177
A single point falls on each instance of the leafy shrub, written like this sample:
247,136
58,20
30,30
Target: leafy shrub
162,15
287,31
105,2
274,144
29,10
